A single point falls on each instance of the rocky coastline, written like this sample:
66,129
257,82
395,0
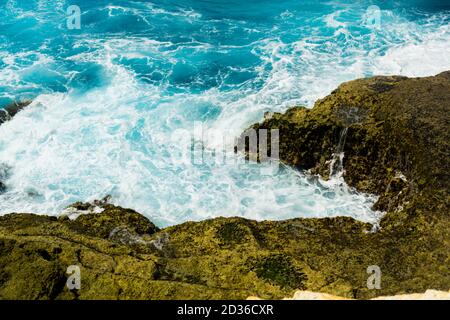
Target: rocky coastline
396,146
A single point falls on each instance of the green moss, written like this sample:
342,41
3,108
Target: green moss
232,232
110,219
280,270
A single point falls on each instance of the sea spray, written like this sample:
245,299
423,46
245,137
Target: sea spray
337,162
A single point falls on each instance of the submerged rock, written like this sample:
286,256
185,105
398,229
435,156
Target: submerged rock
396,146
9,111
5,171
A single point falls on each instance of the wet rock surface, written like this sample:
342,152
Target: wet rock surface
9,111
396,146
5,172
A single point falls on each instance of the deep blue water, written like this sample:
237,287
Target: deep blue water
111,97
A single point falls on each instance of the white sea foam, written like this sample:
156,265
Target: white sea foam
101,143
331,21
415,60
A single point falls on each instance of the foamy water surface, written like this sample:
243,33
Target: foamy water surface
108,98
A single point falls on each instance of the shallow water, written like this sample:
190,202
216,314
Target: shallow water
112,99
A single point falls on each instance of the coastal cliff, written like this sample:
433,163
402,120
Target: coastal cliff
396,145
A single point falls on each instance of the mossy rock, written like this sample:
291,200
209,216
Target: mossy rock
111,218
396,126
396,147
280,270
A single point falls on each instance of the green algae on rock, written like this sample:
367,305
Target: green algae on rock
195,260
396,147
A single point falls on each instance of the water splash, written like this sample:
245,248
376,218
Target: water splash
337,162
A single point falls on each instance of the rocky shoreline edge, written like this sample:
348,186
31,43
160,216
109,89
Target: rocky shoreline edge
396,146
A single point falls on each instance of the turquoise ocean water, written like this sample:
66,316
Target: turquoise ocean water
108,97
